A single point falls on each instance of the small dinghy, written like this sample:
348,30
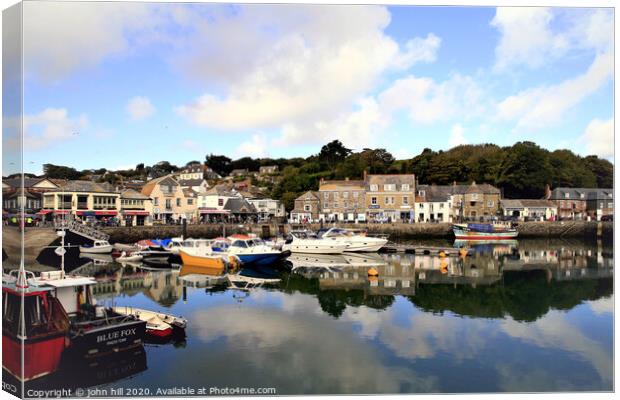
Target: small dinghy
157,324
98,247
128,257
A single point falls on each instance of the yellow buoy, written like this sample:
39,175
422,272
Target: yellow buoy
442,254
373,272
463,252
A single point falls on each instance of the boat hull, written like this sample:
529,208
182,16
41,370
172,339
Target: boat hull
96,250
259,259
41,357
462,233
202,261
108,338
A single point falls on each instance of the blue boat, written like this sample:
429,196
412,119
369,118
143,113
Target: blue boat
255,252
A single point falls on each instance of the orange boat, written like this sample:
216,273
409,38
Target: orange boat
216,261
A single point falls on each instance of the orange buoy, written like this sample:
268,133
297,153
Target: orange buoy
442,254
373,272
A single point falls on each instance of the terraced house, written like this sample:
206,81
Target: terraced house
171,203
475,201
342,200
307,208
390,197
581,203
83,199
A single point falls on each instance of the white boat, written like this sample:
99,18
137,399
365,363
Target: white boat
126,247
98,247
157,324
176,244
354,241
309,242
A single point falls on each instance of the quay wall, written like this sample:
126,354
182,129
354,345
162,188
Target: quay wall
555,229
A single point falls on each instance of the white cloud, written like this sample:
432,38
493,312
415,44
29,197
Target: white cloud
456,136
535,36
526,37
599,138
139,108
352,129
60,37
51,126
256,147
293,65
546,105
428,101
603,305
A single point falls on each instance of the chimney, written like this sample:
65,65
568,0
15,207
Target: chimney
365,175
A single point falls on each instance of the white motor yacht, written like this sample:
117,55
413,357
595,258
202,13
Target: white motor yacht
354,241
309,242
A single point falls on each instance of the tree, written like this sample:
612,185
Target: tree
60,172
603,171
525,171
570,170
333,153
220,164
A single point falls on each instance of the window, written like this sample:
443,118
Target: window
346,204
190,202
440,205
335,205
405,200
421,193
307,207
404,187
374,188
582,195
356,195
156,201
326,205
474,196
178,202
601,206
336,195
373,200
345,195
490,204
421,205
566,195
389,187
611,205
220,202
326,195
168,203
389,200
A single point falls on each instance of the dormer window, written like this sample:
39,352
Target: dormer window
374,188
405,187
566,195
582,195
389,187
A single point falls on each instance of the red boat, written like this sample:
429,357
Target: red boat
41,338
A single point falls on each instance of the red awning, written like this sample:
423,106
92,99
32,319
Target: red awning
135,213
44,212
213,211
61,212
106,212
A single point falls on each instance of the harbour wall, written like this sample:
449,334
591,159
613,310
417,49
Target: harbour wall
557,229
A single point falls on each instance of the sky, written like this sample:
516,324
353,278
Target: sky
116,84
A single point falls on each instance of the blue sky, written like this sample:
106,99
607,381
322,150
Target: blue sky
115,84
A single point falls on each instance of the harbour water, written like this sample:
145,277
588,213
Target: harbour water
521,316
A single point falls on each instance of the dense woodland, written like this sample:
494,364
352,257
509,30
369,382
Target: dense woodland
521,170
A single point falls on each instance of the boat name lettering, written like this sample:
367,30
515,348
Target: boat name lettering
116,335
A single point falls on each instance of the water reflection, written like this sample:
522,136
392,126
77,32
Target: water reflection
526,316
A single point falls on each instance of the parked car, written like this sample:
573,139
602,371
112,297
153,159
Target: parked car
607,217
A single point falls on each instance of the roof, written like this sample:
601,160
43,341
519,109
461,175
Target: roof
434,193
397,179
28,182
483,188
239,171
191,182
147,189
189,192
133,194
523,203
239,206
560,193
22,192
309,195
336,184
223,189
85,186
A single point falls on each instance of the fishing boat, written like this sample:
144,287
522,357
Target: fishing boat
255,252
303,241
98,247
60,314
157,324
483,232
355,241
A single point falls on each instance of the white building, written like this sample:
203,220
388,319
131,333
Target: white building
212,201
433,204
529,208
268,208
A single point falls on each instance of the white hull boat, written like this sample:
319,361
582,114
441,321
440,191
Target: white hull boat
355,242
98,247
307,242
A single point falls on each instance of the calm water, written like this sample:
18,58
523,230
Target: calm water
532,316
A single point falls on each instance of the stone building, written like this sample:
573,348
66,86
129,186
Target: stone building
475,202
342,200
307,208
390,197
